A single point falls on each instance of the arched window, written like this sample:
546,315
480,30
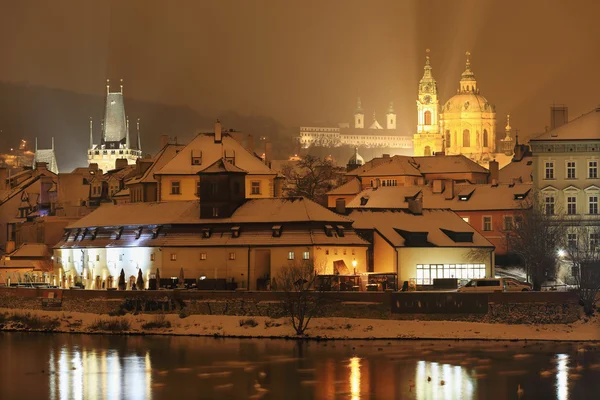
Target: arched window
485,138
427,151
466,142
427,116
448,143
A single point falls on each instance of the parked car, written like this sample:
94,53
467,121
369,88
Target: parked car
495,285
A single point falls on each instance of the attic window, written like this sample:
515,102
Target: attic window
459,237
230,156
529,162
363,201
414,239
118,233
466,196
85,231
155,231
340,230
206,233
66,235
94,232
329,230
235,231
519,196
196,157
138,232
276,230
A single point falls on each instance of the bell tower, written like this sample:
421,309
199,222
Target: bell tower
428,139
391,117
359,115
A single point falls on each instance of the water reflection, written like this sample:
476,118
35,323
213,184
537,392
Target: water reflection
562,377
89,374
445,382
355,378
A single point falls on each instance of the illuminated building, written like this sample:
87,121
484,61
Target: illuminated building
46,156
427,140
115,142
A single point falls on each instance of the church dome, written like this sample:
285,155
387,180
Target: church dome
356,159
468,102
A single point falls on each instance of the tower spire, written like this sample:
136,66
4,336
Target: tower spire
121,85
52,143
36,144
467,80
359,109
91,134
107,86
127,133
139,140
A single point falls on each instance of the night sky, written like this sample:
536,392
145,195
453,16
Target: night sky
305,61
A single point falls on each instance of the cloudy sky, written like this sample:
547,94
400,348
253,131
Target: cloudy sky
305,61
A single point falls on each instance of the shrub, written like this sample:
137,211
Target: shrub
34,322
160,321
110,325
248,322
270,323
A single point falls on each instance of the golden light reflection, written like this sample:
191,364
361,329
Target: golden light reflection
355,378
81,374
562,377
447,381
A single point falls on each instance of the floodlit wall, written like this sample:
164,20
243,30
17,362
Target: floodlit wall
384,255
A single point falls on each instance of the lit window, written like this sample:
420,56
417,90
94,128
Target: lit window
466,219
593,204
306,255
175,187
173,257
255,189
549,171
202,256
232,256
291,255
570,169
571,205
487,224
549,205
593,169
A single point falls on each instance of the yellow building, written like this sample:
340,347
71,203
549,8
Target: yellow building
178,179
427,140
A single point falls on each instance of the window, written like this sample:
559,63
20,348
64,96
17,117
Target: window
427,116
594,240
487,224
571,205
466,219
202,256
508,222
173,257
549,171
215,212
571,240
152,257
120,257
426,273
306,255
570,169
97,257
593,169
232,256
326,253
593,204
485,138
549,205
255,189
198,188
175,187
291,255
447,139
466,138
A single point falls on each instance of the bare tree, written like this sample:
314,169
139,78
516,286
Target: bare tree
583,253
311,177
535,237
297,280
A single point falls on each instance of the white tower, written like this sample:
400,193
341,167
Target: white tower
359,115
427,140
391,116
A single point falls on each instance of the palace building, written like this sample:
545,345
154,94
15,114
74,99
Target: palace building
115,142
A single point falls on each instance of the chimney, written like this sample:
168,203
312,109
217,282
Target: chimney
41,166
559,115
340,206
415,205
449,189
438,186
494,171
250,144
120,163
3,178
278,186
218,132
93,167
142,165
164,140
268,153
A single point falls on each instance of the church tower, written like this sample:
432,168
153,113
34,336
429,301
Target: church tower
359,115
391,117
427,140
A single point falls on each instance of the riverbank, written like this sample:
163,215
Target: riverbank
265,327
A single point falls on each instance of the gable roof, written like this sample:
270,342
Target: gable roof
211,151
447,164
397,165
220,166
273,210
520,171
351,187
398,226
584,127
165,155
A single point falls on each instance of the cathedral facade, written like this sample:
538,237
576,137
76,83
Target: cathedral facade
465,124
115,141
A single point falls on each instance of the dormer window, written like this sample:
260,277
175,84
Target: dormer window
85,231
230,156
328,230
340,230
196,157
138,232
276,230
66,235
235,231
118,233
155,232
94,232
363,201
206,233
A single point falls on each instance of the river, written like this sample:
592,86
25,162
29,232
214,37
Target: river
62,366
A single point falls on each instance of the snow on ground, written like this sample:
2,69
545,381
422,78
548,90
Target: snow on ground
325,328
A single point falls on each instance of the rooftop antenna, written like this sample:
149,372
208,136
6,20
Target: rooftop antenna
121,86
91,134
107,86
139,140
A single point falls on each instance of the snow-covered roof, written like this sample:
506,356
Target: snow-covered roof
206,151
220,166
443,228
585,127
47,156
447,164
273,210
393,166
520,171
353,186
165,155
121,193
30,250
467,197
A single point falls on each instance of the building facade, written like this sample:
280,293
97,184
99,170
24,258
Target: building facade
428,140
